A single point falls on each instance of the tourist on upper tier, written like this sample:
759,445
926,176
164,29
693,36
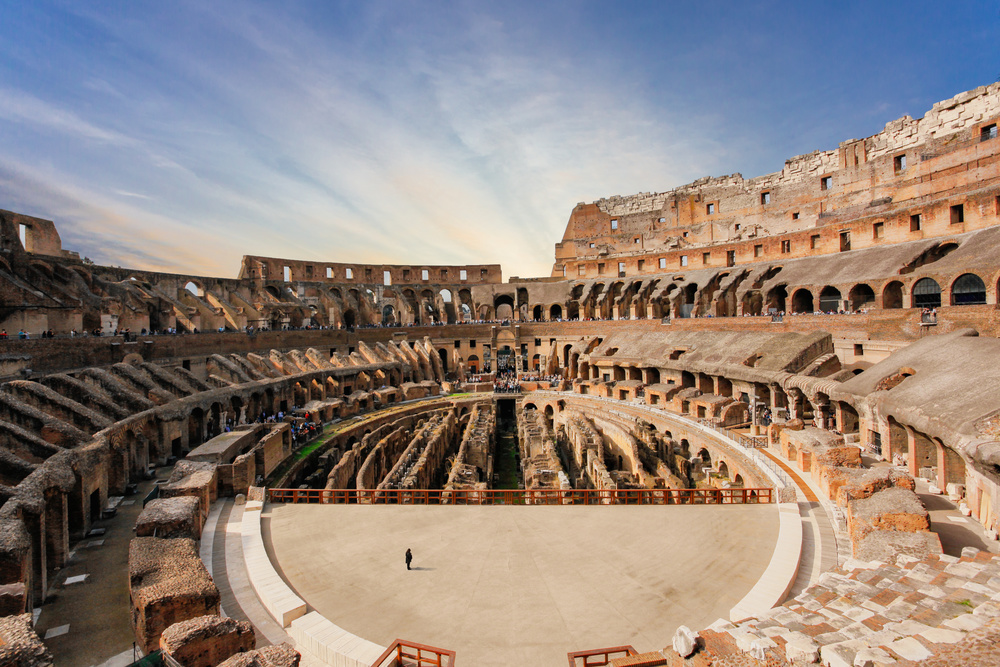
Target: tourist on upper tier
3,334
22,334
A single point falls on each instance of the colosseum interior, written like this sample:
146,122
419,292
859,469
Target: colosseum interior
743,422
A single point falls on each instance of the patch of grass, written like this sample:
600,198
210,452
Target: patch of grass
967,603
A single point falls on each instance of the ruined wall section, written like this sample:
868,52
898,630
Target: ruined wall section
913,167
473,467
539,455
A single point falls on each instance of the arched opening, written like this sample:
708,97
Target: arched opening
802,301
753,303
738,481
443,353
504,307
535,361
776,299
473,363
705,457
466,312
892,295
536,313
723,470
861,296
350,319
968,290
555,312
194,288
388,315
829,299
926,294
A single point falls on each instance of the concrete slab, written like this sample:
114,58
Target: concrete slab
521,585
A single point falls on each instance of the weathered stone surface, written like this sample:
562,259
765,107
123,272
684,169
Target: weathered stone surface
168,583
278,655
19,645
170,517
206,641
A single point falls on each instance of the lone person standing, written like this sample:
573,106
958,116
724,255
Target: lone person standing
409,558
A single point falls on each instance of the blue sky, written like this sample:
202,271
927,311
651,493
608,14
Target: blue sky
179,136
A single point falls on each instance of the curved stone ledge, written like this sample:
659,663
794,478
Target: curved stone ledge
279,600
311,631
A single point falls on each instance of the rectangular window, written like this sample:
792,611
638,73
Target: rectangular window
368,275
425,274
706,257
795,215
472,343
483,274
845,241
621,269
786,246
309,272
463,274
915,223
641,263
581,270
662,220
988,132
826,183
614,224
738,226
859,350
406,274
878,230
730,258
684,260
592,245
635,240
444,274
710,209
663,262
814,241
22,232
538,342
329,274
957,214
600,268
758,250
458,344
899,164
765,197
349,273
386,278
288,274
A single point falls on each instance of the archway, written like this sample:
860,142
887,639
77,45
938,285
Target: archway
802,301
861,296
892,295
926,293
829,299
968,290
350,319
388,315
555,312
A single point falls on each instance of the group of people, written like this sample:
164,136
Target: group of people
506,383
552,379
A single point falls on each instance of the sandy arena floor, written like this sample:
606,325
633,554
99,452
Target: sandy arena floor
521,585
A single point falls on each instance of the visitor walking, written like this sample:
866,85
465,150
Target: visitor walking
409,558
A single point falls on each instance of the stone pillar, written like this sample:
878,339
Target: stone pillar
911,447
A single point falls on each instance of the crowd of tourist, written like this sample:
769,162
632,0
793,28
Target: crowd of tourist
552,379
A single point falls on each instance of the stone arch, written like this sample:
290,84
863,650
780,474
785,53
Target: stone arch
968,290
892,295
536,313
776,298
926,293
861,296
802,301
829,299
503,305
753,303
555,312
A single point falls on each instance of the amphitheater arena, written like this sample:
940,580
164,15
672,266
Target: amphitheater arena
743,422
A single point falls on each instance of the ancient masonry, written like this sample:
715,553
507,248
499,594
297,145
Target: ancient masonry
839,315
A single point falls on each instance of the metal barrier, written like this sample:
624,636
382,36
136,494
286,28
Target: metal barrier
412,654
730,496
598,657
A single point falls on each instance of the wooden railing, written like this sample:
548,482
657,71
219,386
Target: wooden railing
411,654
731,496
599,656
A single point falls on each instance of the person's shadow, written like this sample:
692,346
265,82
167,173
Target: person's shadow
422,568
